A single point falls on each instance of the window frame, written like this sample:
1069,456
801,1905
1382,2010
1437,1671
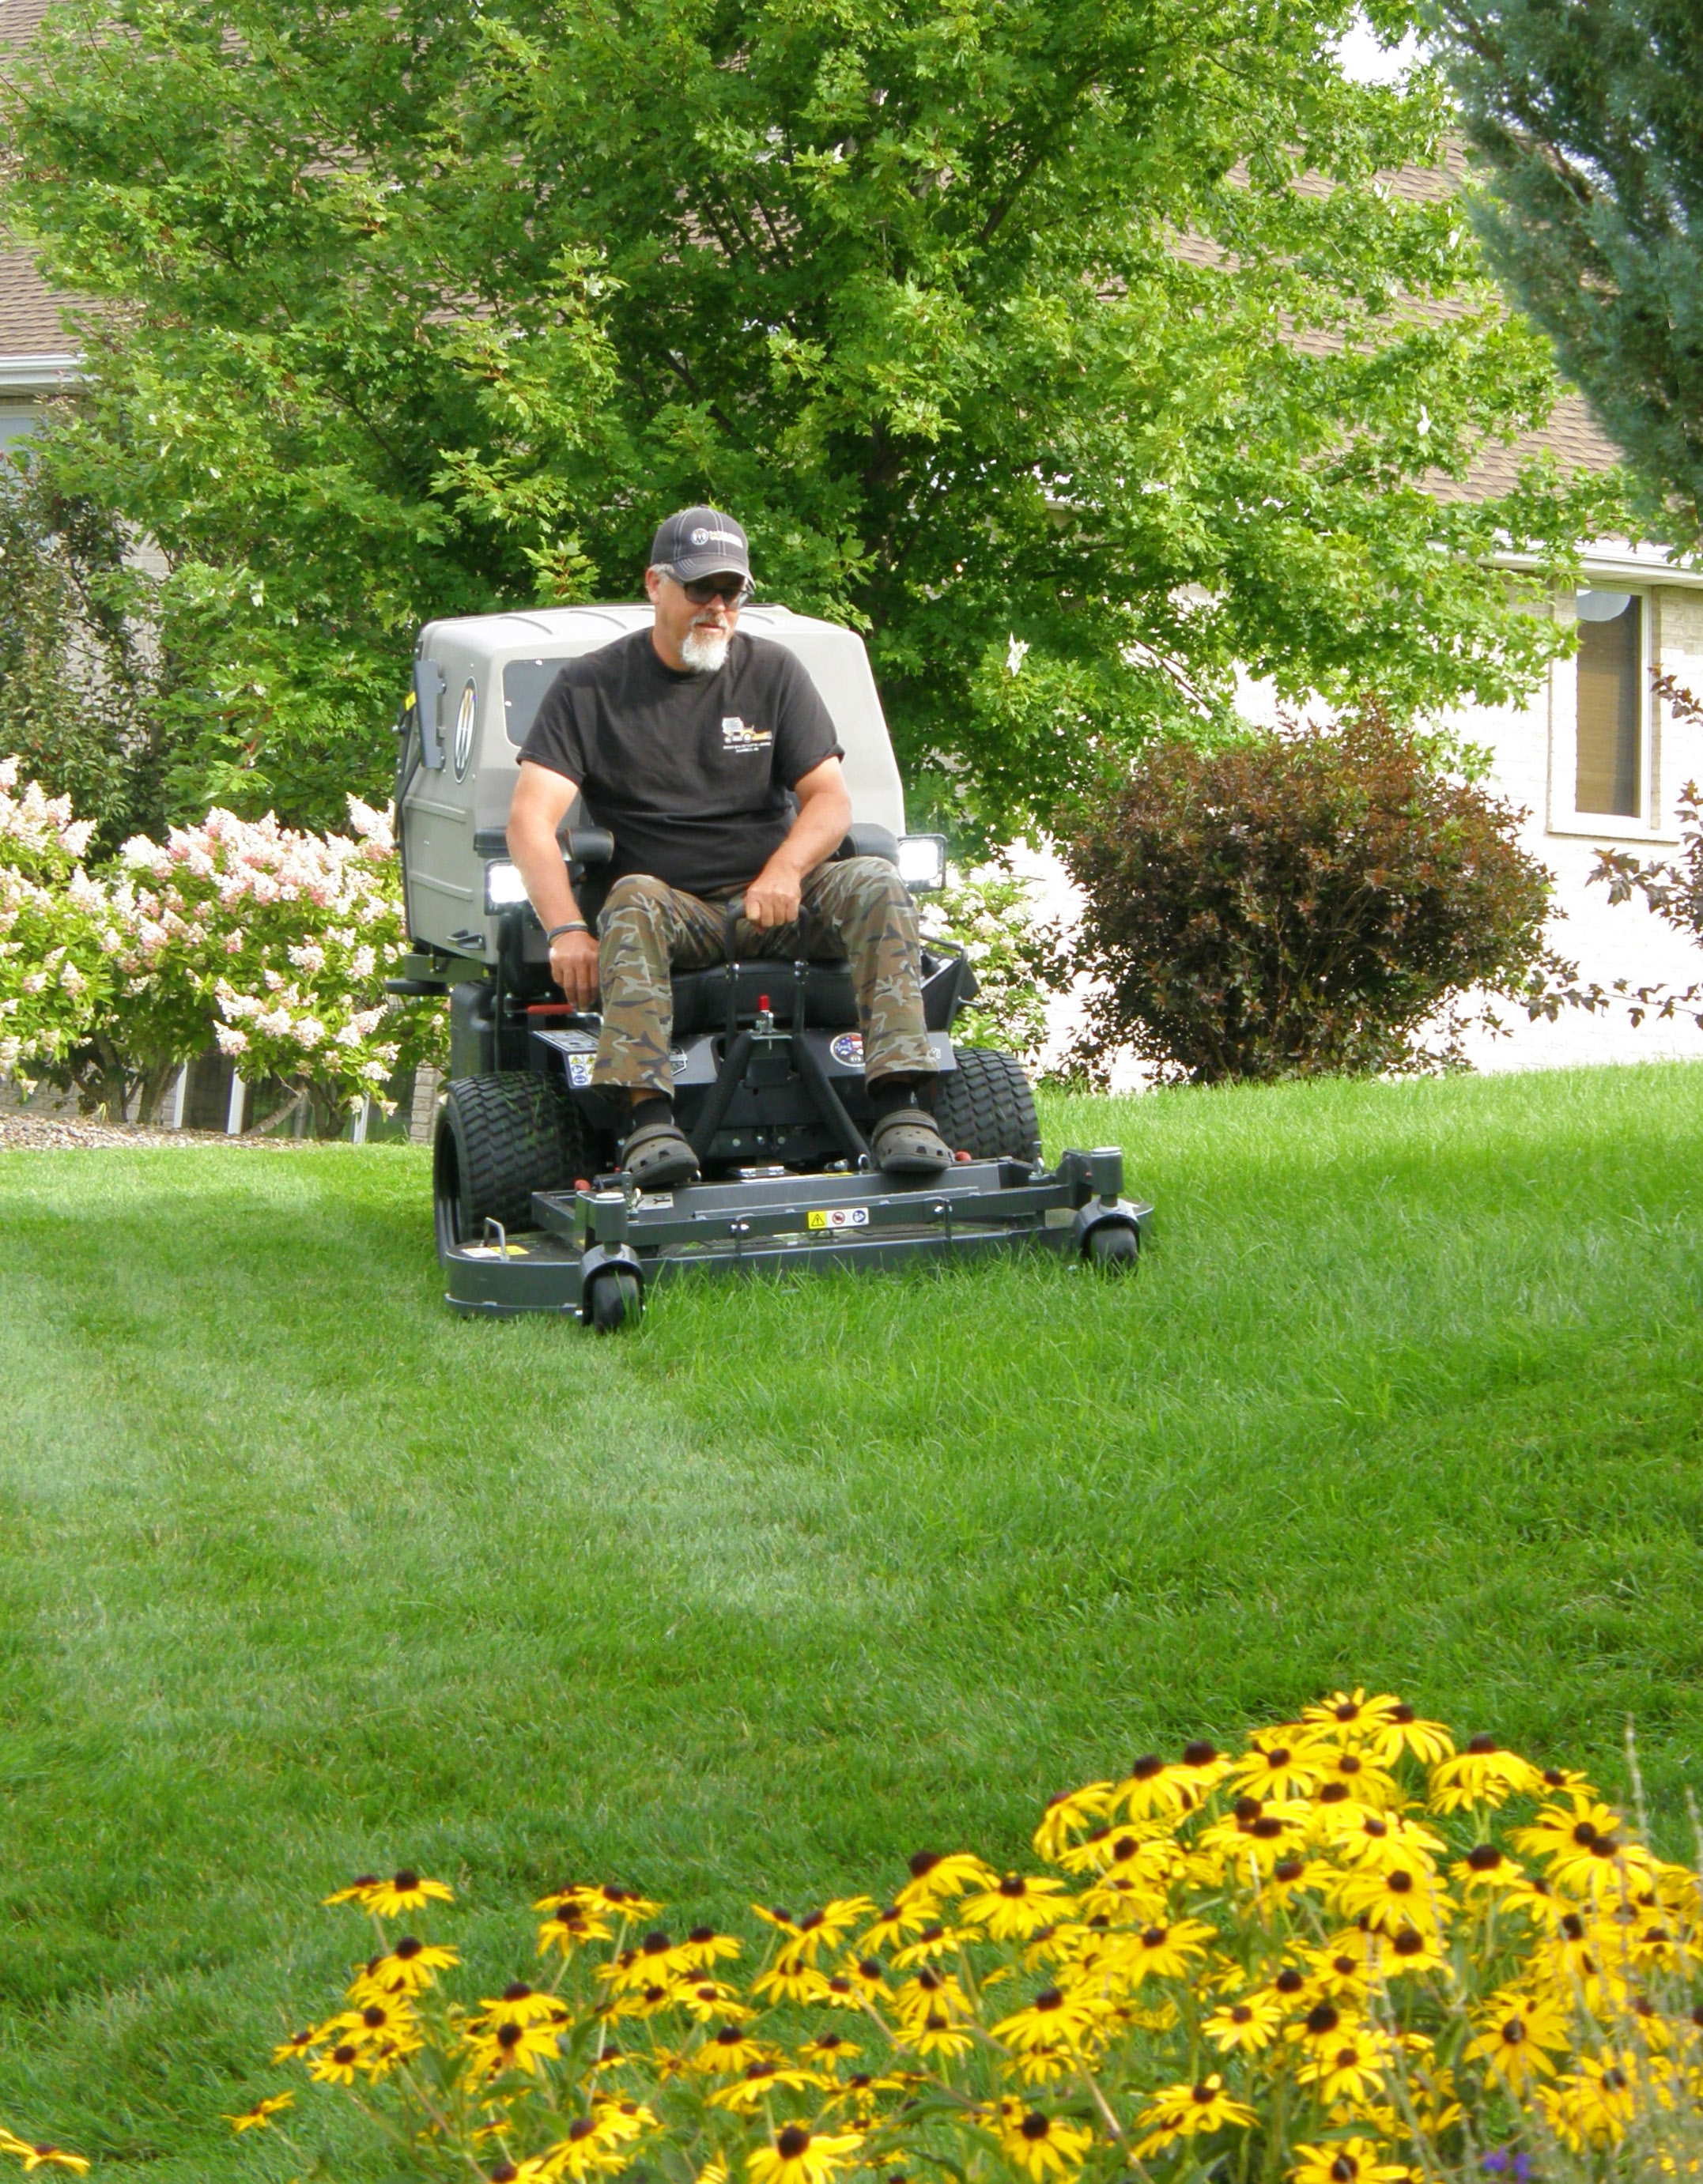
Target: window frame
1565,816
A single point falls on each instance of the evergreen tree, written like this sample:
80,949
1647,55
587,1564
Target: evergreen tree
1589,117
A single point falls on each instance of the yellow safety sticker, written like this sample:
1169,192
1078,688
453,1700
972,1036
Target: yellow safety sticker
493,1251
838,1216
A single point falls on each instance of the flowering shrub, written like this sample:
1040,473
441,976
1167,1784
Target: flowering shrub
283,939
1329,1958
54,971
274,943
1018,963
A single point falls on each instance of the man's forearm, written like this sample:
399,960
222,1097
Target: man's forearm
538,859
814,835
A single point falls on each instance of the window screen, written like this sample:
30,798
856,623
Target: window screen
1610,707
524,684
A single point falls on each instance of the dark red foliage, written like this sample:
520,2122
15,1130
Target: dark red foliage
1290,906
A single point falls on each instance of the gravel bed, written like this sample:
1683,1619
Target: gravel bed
55,1133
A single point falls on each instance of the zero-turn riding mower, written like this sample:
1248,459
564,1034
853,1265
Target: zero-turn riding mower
532,1211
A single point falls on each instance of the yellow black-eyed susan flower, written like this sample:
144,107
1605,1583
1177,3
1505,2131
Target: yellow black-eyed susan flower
1391,1896
1016,1904
1349,2067
510,2045
1517,2034
1066,1814
728,2048
1055,2018
889,1927
405,1890
1483,1773
1347,2161
1151,1789
259,2117
570,1926
704,1998
758,2080
301,2043
938,1878
1402,1730
44,2156
1165,1950
1039,2144
1275,1766
1245,2025
934,1943
409,1967
1188,2111
1593,2105
1350,1716
337,2065
799,2155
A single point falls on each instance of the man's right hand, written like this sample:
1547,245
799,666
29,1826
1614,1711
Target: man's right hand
573,966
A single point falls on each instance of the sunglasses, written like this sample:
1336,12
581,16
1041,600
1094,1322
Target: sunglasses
732,591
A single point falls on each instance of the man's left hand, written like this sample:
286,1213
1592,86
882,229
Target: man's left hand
772,898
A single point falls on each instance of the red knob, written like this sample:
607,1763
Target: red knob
762,1001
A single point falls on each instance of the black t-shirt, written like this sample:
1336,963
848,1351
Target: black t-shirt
692,774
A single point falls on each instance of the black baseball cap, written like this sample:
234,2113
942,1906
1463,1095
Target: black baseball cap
700,541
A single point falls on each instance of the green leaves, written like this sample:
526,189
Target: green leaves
1084,322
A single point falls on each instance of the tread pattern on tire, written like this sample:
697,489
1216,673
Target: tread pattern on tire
515,1133
985,1107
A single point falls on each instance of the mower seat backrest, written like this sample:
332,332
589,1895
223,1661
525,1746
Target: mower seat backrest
701,997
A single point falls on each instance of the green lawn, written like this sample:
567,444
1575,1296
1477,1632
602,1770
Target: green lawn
302,1577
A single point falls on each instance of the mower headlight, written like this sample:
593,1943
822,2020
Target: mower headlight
923,862
504,889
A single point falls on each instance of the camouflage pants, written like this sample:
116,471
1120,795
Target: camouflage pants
856,911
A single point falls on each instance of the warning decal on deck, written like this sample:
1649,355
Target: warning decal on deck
838,1216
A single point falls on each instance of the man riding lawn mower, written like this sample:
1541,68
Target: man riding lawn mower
705,1031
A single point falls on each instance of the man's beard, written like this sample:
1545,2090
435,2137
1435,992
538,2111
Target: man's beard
704,649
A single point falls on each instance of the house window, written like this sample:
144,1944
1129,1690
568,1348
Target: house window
1609,777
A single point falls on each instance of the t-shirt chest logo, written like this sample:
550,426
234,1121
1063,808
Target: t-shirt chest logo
737,735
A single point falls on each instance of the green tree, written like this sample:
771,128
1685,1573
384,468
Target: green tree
1003,324
1588,119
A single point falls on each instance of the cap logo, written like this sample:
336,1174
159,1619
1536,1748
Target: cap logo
702,537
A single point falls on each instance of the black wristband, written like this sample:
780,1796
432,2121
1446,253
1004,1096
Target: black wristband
573,925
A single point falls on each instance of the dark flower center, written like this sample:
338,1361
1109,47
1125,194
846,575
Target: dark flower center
1241,2014
1049,1998
581,2127
1614,2079
1279,1757
1403,1712
1375,1828
792,2142
1514,2031
1248,1809
508,2035
1323,2017
1147,1767
1200,1753
1333,1793
1012,1885
1346,1710
700,1935
927,1980
504,2173
343,2053
1125,1846
1289,1981
1573,1927
840,1984
1154,1937
1267,1826
728,2036
1482,1743
924,1862
406,1879
1399,1883
1484,1857
654,1945
871,1968
1344,2169
517,1993
1035,2124
755,2071
1203,2093
1347,1764
1287,1868
1408,1943
374,2016
1346,2057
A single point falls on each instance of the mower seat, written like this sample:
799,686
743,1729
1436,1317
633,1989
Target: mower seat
701,997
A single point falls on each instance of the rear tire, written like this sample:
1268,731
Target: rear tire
984,1106
498,1139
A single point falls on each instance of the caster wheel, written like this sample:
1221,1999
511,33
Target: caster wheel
615,1300
1114,1247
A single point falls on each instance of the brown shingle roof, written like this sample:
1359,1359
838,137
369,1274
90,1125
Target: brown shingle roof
29,310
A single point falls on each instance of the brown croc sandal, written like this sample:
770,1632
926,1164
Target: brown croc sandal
907,1143
658,1156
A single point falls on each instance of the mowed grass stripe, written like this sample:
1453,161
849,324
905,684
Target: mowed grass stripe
304,1577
